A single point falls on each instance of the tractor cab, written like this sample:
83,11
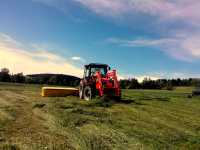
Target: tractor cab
91,69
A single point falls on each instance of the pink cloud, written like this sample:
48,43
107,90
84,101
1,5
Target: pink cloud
187,10
178,9
105,7
184,47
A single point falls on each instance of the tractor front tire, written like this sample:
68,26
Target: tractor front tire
118,98
87,93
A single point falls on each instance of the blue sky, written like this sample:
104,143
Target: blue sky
154,38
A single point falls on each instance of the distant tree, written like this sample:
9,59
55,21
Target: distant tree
195,82
19,78
123,84
169,86
5,70
53,80
76,83
162,83
31,80
133,84
150,84
4,75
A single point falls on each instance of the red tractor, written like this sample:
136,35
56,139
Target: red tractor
99,80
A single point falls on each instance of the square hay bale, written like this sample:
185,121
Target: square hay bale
58,92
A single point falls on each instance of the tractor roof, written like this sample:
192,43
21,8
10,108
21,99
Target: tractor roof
96,64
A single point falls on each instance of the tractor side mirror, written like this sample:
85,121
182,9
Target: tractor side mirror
109,68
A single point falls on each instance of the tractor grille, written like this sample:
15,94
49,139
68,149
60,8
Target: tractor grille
108,84
111,81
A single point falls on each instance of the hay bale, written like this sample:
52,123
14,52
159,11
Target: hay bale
58,91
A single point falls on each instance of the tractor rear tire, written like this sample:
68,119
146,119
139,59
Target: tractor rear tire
87,93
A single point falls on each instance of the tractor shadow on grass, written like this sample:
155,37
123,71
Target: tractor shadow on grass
109,102
163,99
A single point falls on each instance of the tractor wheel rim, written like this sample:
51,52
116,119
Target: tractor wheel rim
87,94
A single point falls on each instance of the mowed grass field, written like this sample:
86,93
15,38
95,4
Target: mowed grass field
143,119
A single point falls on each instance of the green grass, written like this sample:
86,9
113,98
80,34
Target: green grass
143,119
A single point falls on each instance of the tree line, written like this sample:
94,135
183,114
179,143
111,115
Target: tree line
67,80
167,84
51,79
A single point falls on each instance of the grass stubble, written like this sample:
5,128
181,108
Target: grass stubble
143,119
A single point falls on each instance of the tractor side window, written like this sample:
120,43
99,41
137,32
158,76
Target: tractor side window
87,73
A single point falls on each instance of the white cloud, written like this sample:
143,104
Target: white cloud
77,58
17,58
141,42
